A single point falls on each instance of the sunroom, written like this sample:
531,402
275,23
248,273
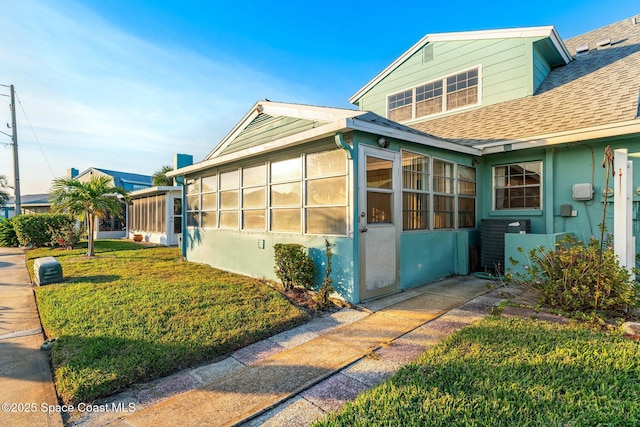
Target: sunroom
302,174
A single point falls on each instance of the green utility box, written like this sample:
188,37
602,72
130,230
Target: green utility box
47,270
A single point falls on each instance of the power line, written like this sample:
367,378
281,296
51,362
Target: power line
35,136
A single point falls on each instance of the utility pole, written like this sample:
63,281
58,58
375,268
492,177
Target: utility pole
16,169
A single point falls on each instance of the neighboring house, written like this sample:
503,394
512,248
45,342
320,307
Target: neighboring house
29,203
156,214
463,138
113,227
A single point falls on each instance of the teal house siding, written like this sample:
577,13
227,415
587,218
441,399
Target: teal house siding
563,166
252,254
541,67
506,71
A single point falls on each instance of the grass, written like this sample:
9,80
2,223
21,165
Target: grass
135,313
509,372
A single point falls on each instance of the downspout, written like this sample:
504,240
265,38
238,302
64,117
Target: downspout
183,231
353,202
342,144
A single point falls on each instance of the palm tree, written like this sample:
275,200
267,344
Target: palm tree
91,200
160,178
4,195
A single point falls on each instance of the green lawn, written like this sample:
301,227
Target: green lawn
510,372
134,313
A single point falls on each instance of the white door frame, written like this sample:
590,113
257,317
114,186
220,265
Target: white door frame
384,252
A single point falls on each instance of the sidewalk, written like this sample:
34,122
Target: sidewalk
25,377
294,378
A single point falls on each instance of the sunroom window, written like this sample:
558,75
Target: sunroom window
443,195
229,199
436,194
415,191
326,192
286,195
303,194
254,198
193,203
209,213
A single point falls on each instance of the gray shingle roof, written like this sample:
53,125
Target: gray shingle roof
598,88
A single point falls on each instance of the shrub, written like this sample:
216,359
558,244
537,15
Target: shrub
8,236
293,266
35,230
322,297
67,235
578,277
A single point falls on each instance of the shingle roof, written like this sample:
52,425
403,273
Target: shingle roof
372,117
598,88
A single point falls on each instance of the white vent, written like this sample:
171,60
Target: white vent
603,43
583,49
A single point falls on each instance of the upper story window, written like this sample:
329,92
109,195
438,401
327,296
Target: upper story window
401,106
518,186
445,94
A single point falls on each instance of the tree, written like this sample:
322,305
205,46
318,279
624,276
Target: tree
4,195
160,178
91,200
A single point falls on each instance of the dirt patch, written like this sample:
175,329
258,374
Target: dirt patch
303,299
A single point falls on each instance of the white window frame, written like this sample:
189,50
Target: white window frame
493,187
445,109
428,192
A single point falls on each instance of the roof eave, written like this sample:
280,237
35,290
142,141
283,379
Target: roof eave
609,130
154,190
330,129
382,130
288,141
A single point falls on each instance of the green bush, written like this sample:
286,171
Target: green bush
293,266
577,277
8,236
35,230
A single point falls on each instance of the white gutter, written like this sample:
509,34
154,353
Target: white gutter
288,141
412,137
328,130
595,132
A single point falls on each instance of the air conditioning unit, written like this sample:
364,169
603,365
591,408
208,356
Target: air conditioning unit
492,233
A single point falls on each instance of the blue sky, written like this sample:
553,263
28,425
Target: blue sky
124,84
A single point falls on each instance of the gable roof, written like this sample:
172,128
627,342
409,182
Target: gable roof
263,123
121,179
593,96
304,123
548,31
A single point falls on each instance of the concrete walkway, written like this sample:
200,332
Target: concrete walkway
292,378
26,387
317,370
